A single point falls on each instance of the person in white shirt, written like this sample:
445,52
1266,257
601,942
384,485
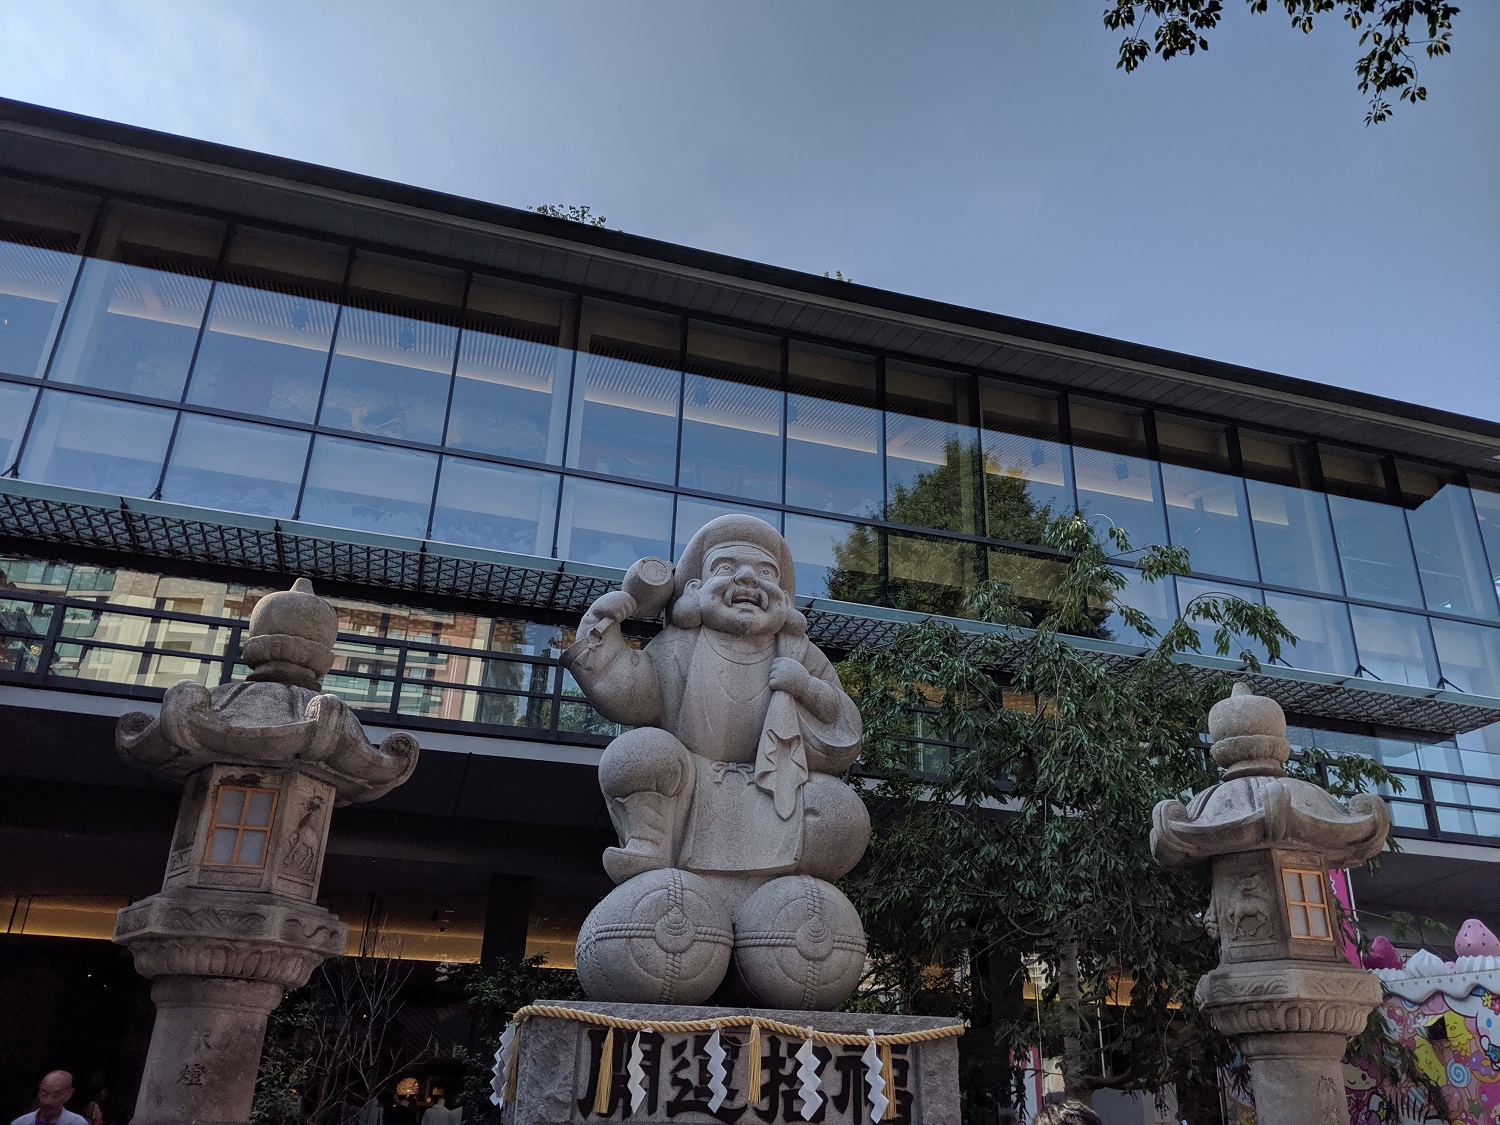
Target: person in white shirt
52,1098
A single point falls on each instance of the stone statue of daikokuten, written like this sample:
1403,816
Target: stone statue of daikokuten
726,796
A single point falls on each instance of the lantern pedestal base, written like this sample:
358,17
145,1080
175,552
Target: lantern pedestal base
558,1063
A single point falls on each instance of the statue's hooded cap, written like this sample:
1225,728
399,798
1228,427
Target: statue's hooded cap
735,528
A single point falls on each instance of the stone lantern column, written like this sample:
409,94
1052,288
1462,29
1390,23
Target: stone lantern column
263,764
1283,988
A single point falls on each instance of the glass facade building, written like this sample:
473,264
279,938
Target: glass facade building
195,336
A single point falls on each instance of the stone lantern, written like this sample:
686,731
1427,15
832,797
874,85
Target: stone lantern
1283,988
263,764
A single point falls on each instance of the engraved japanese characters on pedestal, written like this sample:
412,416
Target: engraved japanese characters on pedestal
263,763
732,817
1283,986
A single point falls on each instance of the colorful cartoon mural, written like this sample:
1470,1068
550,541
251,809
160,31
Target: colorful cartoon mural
1448,1014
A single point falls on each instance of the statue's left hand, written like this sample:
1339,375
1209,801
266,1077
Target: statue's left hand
790,676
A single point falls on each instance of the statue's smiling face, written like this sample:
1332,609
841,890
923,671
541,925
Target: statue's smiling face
740,591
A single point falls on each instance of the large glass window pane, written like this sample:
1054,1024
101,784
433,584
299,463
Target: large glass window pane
1469,656
625,398
393,362
360,484
1324,640
15,409
1033,580
1117,485
236,466
1294,537
612,524
1394,647
1194,442
1486,495
731,415
835,560
495,506
692,514
1375,551
84,442
265,347
1191,590
1450,556
1028,472
1157,600
1206,514
514,364
932,456
134,322
40,236
833,434
930,575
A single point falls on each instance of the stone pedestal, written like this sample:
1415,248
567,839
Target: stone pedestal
558,1069
1282,989
262,764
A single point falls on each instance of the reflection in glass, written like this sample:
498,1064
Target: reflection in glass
92,443
1120,490
1324,640
1206,514
1033,581
389,375
731,416
269,329
39,239
15,409
360,484
1450,557
835,560
1469,656
1295,537
495,506
236,466
1155,599
625,400
511,394
393,361
1028,481
693,514
612,524
931,452
1191,590
1394,647
930,575
1375,551
1487,505
833,435
134,320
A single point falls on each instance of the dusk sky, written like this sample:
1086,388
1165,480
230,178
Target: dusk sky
1232,205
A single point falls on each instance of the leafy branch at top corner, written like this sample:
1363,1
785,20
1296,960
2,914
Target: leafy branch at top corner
1384,26
572,212
836,275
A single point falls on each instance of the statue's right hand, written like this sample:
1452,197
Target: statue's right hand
616,605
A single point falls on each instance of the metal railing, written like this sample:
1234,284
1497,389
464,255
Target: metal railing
77,644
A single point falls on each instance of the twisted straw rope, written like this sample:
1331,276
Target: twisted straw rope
599,1019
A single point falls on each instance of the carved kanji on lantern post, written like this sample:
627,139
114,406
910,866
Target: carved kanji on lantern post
1283,988
263,763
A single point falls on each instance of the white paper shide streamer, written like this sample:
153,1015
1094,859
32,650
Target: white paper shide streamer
502,1065
637,1071
717,1075
874,1079
807,1077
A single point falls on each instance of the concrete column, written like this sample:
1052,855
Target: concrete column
507,914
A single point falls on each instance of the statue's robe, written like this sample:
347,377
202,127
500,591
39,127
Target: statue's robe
753,748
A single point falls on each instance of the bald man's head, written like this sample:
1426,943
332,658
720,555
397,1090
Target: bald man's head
53,1093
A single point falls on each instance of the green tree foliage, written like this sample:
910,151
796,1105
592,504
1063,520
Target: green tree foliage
1028,845
1384,26
572,212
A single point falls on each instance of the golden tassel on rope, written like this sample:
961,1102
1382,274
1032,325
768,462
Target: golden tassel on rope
887,1072
606,1072
752,1074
